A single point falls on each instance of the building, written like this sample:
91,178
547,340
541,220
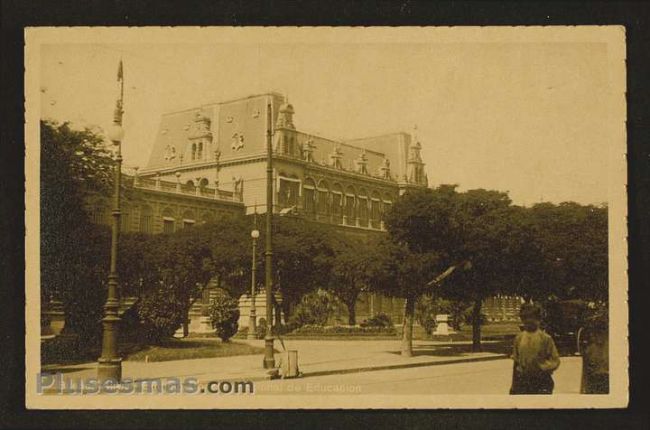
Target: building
158,206
349,183
502,308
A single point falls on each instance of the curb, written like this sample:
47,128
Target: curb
266,377
403,365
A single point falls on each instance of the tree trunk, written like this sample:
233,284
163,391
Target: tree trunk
476,326
186,326
352,312
407,327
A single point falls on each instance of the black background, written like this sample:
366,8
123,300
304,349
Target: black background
18,14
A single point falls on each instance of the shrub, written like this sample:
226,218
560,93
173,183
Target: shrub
379,320
224,313
154,318
314,309
319,330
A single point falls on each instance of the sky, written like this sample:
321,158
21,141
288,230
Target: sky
527,116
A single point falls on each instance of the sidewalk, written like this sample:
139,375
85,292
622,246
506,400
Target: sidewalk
315,358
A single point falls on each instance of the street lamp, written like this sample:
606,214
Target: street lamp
252,322
269,359
109,366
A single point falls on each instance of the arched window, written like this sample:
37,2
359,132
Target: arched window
169,221
362,208
288,190
337,203
349,209
387,204
322,199
309,197
199,152
146,219
194,151
375,210
188,219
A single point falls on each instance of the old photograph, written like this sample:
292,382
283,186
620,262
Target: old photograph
320,217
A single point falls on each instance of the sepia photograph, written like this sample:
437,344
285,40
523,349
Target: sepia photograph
326,218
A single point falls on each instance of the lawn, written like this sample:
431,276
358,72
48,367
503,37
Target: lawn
186,349
497,329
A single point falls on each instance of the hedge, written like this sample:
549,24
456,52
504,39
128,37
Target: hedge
309,330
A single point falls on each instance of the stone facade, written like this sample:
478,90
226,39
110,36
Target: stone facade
156,206
502,308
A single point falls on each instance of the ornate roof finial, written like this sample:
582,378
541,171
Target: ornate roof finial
335,157
308,150
385,169
362,162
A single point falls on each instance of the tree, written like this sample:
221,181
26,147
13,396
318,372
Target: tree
74,252
422,244
229,243
494,246
473,248
351,271
574,246
302,256
165,272
403,273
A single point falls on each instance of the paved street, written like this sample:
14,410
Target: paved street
487,377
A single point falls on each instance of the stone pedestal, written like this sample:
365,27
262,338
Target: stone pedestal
56,317
442,325
260,308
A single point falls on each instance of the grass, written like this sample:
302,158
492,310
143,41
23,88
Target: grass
187,349
495,328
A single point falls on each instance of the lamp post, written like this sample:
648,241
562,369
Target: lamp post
252,320
269,359
109,366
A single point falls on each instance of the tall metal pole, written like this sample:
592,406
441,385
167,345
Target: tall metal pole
252,320
269,359
109,365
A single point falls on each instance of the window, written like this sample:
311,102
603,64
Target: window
375,213
168,225
309,194
337,199
199,153
146,220
168,220
289,191
323,202
363,211
193,151
337,204
322,198
349,208
375,210
188,219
